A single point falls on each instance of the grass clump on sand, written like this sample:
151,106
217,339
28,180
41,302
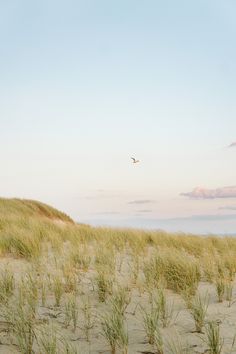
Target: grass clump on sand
51,342
198,310
176,346
166,308
89,319
115,331
21,324
58,289
120,299
7,284
220,288
104,285
213,338
151,323
229,292
180,270
71,311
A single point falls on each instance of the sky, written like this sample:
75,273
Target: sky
86,85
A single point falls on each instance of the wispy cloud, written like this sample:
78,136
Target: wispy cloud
202,218
144,211
100,196
204,193
199,218
213,217
228,207
141,201
233,144
107,213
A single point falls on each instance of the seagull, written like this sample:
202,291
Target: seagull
134,160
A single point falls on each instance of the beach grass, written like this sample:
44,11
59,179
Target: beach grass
108,289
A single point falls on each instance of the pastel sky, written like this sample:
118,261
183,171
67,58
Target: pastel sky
87,84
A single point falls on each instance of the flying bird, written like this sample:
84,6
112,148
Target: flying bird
134,160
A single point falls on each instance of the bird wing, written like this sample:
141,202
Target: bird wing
132,158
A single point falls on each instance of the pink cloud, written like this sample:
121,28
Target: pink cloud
204,193
232,145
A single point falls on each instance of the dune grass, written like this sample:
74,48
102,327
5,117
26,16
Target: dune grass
69,263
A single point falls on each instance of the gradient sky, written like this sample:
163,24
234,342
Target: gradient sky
85,85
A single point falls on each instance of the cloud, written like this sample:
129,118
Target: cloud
214,217
233,144
100,197
201,217
141,201
107,213
144,211
229,207
204,193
